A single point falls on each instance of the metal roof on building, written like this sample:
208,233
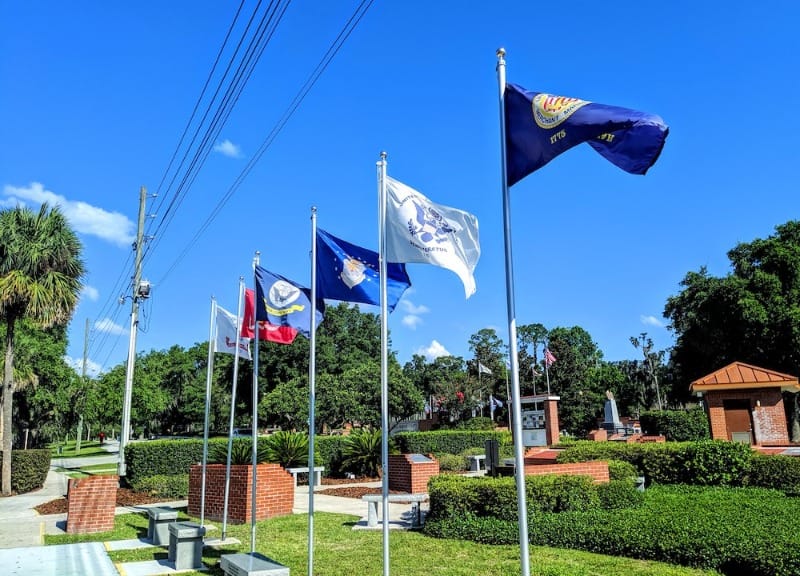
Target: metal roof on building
738,375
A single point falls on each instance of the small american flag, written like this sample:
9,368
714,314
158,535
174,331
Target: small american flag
549,359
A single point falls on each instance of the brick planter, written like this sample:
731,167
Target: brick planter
274,493
90,504
405,475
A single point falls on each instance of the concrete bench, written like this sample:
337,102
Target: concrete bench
477,462
314,480
158,523
251,565
372,501
186,545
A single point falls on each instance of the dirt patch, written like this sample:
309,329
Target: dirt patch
125,497
360,480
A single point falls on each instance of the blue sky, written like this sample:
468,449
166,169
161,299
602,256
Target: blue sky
95,96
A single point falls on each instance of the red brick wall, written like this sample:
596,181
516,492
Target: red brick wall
598,435
90,504
596,469
274,494
553,433
768,418
411,477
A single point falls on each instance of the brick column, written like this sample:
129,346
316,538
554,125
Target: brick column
90,504
551,420
405,475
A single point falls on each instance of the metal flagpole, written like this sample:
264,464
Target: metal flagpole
519,463
211,342
547,369
384,360
233,408
312,393
254,423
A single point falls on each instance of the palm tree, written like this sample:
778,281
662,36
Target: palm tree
40,279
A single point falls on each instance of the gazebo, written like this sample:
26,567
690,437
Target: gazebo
744,403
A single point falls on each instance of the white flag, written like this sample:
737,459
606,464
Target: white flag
483,369
418,230
226,335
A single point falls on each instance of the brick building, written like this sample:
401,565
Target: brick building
744,403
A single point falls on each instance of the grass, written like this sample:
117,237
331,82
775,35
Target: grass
342,551
88,448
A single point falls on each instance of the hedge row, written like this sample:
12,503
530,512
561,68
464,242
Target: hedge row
706,462
677,425
28,469
447,441
732,530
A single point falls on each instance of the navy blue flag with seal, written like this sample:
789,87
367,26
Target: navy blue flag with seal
541,126
281,302
350,273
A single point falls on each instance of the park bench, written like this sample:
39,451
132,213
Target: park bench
416,501
253,564
313,480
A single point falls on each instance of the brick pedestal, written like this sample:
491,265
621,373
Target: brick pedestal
405,475
90,504
274,493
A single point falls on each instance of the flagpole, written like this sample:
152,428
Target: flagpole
254,417
547,368
522,509
312,393
384,360
211,341
233,408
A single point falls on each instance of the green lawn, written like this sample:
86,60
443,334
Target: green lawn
341,551
90,448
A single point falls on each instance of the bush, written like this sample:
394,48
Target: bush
619,494
779,472
717,463
451,462
620,470
163,457
241,452
447,441
477,423
677,425
361,452
174,487
28,469
289,449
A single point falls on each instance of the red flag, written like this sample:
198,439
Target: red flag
266,331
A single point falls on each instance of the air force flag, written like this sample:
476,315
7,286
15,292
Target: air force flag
350,273
541,126
418,230
283,303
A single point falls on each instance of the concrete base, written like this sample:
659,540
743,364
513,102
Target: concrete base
251,565
159,520
186,545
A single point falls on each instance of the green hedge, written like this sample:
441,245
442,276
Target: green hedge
732,530
677,425
28,469
175,487
779,472
447,441
706,462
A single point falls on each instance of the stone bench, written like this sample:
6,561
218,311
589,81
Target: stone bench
186,545
158,523
253,564
314,480
372,501
477,462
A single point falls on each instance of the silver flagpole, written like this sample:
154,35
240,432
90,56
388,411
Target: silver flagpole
519,460
384,360
233,408
312,392
254,423
211,345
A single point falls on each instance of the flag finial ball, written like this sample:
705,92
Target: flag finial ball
501,52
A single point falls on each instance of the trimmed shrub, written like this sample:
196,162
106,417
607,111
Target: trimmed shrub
677,425
328,453
620,470
447,441
175,487
241,452
477,423
717,463
779,472
619,494
163,457
28,469
451,462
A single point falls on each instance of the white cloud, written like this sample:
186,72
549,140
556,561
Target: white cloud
107,326
229,149
651,321
90,292
85,218
10,203
411,321
411,308
433,350
93,369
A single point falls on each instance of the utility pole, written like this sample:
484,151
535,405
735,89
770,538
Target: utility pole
83,384
140,290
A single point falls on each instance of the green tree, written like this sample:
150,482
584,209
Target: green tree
529,337
40,279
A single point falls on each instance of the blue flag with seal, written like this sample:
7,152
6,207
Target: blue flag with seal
281,302
541,126
350,273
